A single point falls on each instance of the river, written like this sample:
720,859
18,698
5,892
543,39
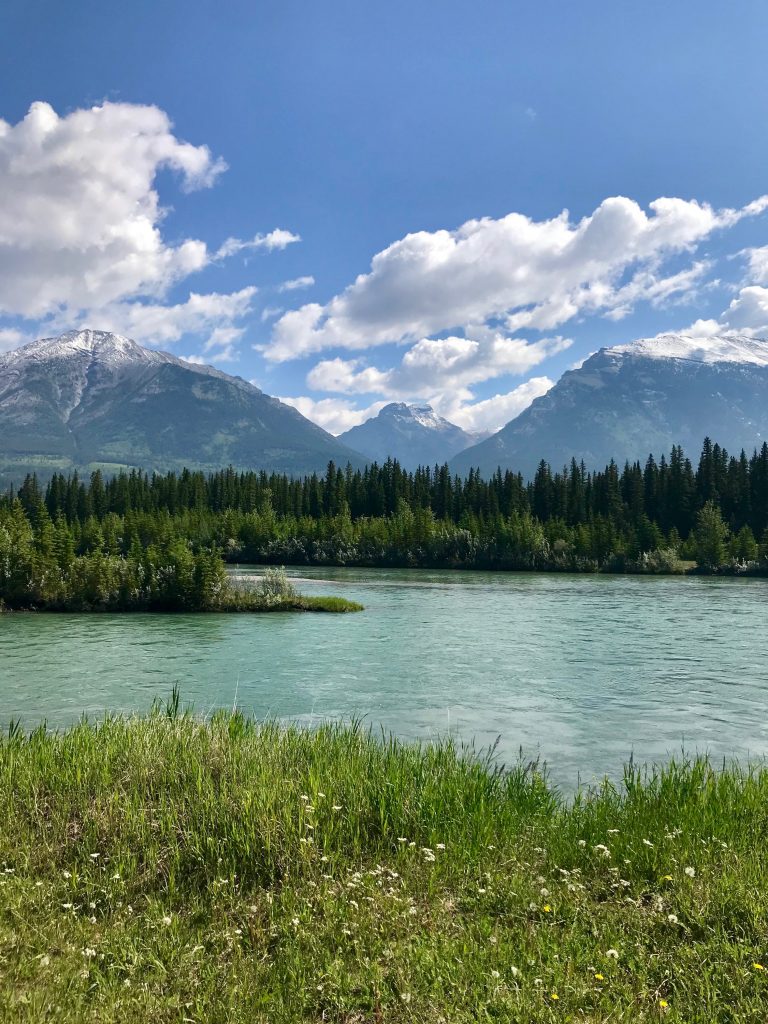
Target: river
580,671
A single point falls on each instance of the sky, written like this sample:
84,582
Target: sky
356,203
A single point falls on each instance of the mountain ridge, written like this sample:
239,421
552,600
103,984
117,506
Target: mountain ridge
626,401
93,398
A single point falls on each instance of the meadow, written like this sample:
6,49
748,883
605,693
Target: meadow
176,869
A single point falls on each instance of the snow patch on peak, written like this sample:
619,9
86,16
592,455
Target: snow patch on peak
424,415
100,347
723,348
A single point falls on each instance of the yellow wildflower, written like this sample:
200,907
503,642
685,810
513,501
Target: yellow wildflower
600,977
758,967
554,995
547,909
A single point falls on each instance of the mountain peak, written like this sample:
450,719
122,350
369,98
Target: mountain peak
93,398
423,414
413,434
723,348
101,346
630,400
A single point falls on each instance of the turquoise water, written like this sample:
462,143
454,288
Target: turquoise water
582,671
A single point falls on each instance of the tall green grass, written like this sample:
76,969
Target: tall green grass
172,869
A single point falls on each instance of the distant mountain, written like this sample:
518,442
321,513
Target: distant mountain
92,399
628,401
413,434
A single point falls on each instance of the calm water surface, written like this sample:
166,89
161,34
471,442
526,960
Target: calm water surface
583,671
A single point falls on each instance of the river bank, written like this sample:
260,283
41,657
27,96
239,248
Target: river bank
168,868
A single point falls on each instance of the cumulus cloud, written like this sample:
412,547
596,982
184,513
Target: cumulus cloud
79,220
513,272
162,325
333,414
434,365
748,313
490,414
80,229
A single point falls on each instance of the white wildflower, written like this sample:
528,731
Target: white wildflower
690,872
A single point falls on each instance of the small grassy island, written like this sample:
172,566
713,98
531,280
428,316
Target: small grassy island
168,869
169,577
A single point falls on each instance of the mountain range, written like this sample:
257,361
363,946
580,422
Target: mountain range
631,400
93,399
413,434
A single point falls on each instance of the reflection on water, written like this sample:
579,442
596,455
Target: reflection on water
580,670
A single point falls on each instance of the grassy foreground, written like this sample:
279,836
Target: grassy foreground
168,869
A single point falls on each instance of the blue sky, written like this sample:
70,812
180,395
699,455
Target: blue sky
367,129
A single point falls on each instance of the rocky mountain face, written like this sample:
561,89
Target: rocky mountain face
632,400
92,399
413,434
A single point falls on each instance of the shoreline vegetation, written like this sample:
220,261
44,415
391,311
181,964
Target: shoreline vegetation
664,518
165,581
168,868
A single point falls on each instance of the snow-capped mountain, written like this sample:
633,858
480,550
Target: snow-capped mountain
413,434
631,400
90,398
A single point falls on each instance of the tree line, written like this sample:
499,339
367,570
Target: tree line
158,540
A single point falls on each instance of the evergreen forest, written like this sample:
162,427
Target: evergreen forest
135,540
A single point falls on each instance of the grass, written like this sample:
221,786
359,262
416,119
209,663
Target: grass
242,601
168,869
274,592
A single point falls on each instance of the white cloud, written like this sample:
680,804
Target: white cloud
298,282
748,313
491,414
79,218
434,365
758,264
80,229
514,272
277,239
160,325
333,414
